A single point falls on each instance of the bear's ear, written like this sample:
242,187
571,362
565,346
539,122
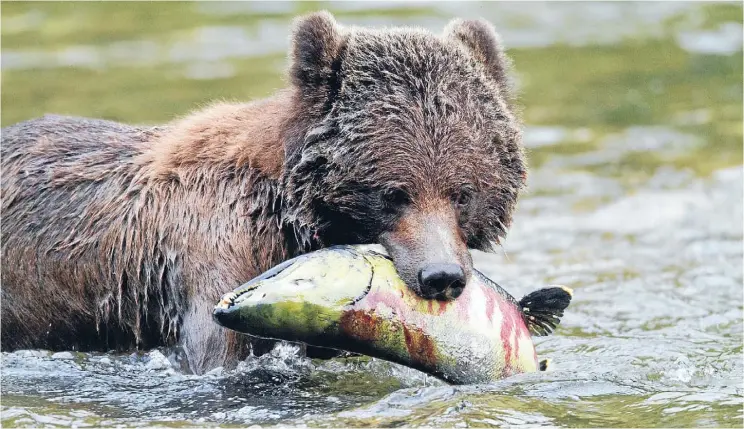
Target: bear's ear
482,41
316,43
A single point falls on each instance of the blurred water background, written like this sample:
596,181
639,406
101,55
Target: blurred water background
633,115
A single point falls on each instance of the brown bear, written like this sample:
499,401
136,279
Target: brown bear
116,236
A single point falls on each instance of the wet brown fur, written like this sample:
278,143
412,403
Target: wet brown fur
114,239
116,236
247,134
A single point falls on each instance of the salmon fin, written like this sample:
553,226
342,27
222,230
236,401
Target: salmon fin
545,364
542,309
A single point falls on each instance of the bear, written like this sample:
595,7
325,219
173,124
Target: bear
122,237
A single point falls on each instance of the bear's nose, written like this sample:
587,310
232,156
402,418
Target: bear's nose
445,281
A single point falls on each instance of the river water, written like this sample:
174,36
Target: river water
633,118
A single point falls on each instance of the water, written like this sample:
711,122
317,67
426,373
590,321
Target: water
634,130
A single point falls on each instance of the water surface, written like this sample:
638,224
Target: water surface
633,118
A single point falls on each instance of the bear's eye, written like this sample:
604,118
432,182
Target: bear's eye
463,198
395,197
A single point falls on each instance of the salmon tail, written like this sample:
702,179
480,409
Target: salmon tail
542,309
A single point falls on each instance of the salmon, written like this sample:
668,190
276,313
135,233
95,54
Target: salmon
351,298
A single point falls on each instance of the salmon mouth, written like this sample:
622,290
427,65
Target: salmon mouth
227,310
230,299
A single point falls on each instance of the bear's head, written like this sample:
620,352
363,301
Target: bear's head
403,138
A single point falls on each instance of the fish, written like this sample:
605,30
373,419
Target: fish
351,298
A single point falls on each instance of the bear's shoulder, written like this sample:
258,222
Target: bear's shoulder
224,134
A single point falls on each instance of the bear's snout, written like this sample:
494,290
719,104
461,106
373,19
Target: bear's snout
442,281
429,251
